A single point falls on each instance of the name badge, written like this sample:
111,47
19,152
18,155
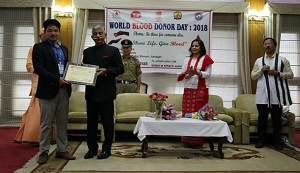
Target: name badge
61,69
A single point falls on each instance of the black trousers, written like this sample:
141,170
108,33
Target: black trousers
106,112
263,112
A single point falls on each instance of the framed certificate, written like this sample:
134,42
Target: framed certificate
82,74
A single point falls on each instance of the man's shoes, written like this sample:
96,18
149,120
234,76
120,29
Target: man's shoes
90,154
43,158
259,145
278,147
103,155
64,155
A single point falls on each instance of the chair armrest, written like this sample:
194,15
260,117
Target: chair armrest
235,114
291,119
245,116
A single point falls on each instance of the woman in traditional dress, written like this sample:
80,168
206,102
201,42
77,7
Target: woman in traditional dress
30,126
196,71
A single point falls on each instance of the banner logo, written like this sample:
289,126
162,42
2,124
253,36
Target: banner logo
116,14
198,16
136,14
177,15
158,17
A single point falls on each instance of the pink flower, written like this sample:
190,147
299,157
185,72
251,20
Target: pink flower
169,112
207,112
158,97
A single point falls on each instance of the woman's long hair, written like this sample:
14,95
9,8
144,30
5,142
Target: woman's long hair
202,47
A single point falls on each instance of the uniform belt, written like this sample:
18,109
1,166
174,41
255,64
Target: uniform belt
125,81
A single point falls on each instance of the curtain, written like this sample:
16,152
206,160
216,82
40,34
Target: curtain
243,53
40,14
268,24
277,29
80,25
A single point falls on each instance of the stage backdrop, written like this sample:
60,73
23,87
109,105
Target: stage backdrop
161,37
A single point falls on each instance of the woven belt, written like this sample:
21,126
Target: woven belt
125,81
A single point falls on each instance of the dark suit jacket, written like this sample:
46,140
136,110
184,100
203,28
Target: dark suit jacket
107,57
45,65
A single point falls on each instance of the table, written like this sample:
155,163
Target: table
182,127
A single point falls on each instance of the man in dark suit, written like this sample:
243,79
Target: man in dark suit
49,60
100,98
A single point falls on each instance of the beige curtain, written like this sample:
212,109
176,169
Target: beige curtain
40,14
268,24
277,29
243,51
80,24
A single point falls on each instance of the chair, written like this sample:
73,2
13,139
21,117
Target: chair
77,118
247,104
144,88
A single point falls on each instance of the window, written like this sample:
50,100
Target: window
289,48
16,38
225,81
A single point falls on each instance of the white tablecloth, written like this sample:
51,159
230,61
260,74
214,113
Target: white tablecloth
181,127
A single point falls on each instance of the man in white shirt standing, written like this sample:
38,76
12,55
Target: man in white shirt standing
272,92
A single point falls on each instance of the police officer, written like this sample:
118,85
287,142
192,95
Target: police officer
130,80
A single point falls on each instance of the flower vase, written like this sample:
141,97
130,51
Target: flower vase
158,113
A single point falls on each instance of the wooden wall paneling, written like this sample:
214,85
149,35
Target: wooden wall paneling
66,26
256,36
256,31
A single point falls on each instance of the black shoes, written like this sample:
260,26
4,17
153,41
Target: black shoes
103,155
259,145
278,147
90,154
43,158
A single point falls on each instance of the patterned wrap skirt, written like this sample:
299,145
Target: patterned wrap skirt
192,101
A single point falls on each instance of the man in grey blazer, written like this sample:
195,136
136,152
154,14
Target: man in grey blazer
49,60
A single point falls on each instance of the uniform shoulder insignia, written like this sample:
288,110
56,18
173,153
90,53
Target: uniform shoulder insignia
134,58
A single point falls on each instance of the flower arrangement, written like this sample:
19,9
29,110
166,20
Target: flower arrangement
158,99
207,112
169,112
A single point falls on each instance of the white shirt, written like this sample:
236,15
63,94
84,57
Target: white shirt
193,81
261,90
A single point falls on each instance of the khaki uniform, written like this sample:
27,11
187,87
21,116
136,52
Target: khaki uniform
126,82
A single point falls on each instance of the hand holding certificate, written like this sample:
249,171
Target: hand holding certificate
83,74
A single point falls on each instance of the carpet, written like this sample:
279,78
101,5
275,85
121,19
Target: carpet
10,151
173,157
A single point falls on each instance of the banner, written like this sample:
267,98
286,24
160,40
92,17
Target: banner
161,37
